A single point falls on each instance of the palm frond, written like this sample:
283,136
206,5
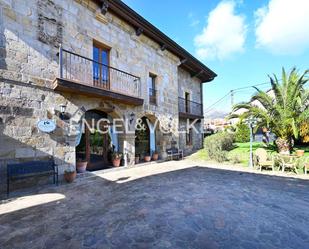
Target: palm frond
279,98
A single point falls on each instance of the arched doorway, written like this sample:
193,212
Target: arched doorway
145,142
98,141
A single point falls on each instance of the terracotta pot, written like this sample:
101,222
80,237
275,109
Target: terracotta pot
155,156
136,159
116,162
81,167
69,176
300,153
147,158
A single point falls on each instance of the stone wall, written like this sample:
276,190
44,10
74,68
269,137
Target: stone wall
193,86
188,84
197,138
30,34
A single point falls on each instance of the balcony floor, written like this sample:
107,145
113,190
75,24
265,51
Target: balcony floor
190,116
63,85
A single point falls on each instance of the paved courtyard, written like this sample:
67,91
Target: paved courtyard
169,205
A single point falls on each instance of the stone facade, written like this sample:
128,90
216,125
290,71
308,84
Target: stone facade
30,35
192,86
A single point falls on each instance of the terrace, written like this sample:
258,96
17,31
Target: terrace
168,205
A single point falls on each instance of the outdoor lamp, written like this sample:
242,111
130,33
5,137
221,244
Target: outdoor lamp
63,115
252,121
132,115
63,108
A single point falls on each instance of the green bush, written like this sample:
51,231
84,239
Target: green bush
242,134
235,159
218,145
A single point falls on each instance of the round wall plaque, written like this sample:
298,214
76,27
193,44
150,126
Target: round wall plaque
46,125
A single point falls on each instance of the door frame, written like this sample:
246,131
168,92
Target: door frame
103,47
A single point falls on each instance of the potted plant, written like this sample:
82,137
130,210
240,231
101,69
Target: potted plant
69,175
137,158
300,153
147,158
81,165
116,158
155,155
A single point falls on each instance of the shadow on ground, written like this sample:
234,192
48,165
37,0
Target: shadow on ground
196,207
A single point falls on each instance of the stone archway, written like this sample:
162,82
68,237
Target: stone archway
154,138
95,141
98,139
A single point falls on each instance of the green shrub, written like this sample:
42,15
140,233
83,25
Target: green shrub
218,145
235,159
242,134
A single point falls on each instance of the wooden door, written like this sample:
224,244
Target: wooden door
97,148
101,70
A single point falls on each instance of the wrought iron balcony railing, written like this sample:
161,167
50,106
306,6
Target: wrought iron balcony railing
85,71
190,107
152,96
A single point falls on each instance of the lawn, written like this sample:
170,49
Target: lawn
241,152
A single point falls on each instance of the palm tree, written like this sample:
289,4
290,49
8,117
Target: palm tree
282,109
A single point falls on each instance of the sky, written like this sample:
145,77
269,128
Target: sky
243,41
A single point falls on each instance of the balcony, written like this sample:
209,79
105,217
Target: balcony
189,109
152,96
81,75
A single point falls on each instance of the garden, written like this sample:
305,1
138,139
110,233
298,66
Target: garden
282,111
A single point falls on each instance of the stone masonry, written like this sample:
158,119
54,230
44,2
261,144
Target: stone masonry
30,35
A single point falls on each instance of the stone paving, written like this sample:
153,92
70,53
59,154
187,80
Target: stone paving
171,205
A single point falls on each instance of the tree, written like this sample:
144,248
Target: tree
242,134
282,109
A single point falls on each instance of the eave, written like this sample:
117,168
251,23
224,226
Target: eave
190,63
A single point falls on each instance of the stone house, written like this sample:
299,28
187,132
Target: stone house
65,60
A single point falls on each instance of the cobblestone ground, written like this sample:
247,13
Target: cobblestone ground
155,207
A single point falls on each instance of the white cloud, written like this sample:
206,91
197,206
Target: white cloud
193,20
224,35
282,27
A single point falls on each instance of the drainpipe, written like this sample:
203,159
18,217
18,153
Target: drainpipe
60,62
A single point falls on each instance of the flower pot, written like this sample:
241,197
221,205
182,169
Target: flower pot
116,162
155,156
300,153
136,159
147,158
69,176
81,167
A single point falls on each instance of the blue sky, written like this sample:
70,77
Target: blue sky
241,40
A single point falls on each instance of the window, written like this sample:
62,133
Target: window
152,89
101,68
187,102
189,137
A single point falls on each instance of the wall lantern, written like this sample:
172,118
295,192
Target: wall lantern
63,108
63,115
132,116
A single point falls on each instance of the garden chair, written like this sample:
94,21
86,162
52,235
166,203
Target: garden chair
306,164
288,161
263,160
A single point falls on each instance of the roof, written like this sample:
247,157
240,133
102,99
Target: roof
188,62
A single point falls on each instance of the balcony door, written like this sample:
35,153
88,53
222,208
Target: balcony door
187,102
101,77
152,89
